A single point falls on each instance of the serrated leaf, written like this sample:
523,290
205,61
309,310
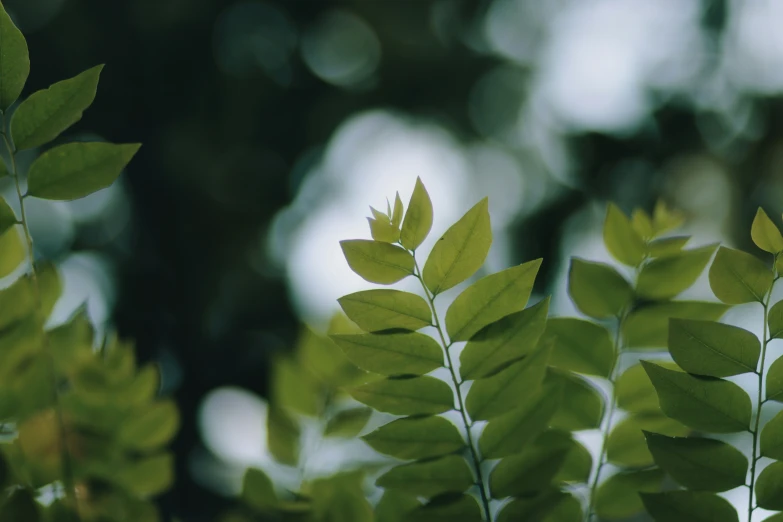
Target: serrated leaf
737,277
775,381
580,346
666,246
699,464
76,170
377,262
667,276
648,326
395,506
769,487
584,407
701,403
19,505
713,349
348,423
7,216
626,444
461,251
429,478
635,392
418,219
148,476
392,353
491,397
14,61
597,289
47,113
382,309
282,433
511,432
503,341
688,506
775,321
416,438
412,396
618,497
449,507
258,491
551,506
772,438
765,233
490,299
151,427
531,471
620,238
12,251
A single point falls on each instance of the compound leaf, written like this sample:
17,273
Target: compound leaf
384,309
737,277
688,506
666,246
429,478
348,423
583,409
667,276
418,218
531,471
626,444
580,346
410,396
775,320
416,438
635,392
648,326
376,261
713,349
765,233
618,497
769,487
620,238
597,289
392,353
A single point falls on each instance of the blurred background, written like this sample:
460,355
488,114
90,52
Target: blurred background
269,126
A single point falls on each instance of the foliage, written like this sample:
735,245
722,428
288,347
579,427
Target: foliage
79,420
702,399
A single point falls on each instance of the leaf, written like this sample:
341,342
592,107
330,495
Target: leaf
635,392
648,326
503,341
348,423
382,309
148,476
150,428
418,219
392,353
294,388
701,403
765,233
382,230
597,289
491,397
620,238
396,217
19,505
626,444
282,433
412,396
580,346
47,113
7,216
642,223
14,61
12,251
325,360
775,381
50,285
713,349
3,169
769,487
512,432
665,277
618,497
775,319
450,507
584,408
76,170
772,438
340,498
665,219
490,299
530,471
551,506
416,438
666,246
429,478
697,463
395,506
258,491
737,277
688,506
460,252
578,463
377,262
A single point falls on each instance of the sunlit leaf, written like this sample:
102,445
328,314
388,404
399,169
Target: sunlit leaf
258,491
382,309
666,246
7,216
626,444
397,214
618,497
392,353
689,506
620,238
769,487
737,277
772,438
765,233
584,407
348,423
377,262
282,433
530,471
416,438
713,349
580,346
410,396
418,219
14,61
429,478
597,289
648,326
449,507
667,276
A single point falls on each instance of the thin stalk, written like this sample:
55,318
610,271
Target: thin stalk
460,403
68,477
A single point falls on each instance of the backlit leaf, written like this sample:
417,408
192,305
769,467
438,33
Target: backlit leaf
416,438
396,217
618,497
597,289
530,471
429,478
775,381
376,261
14,61
635,392
258,491
666,246
382,230
775,319
772,438
620,238
348,423
769,487
642,223
150,428
626,444
382,309
282,436
584,407
7,216
392,353
765,233
666,219
667,276
294,388
13,251
149,475
411,396
580,346
648,326
714,349
418,218
688,506
737,277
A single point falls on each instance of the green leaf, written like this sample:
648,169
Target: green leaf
769,487
348,423
775,381
418,219
410,396
666,246
294,388
701,403
580,346
578,463
503,341
490,397
665,277
395,506
19,505
597,289
551,506
775,319
713,349
737,277
7,216
340,498
47,113
429,478
76,170
626,444
150,428
635,392
3,169
648,326
699,464
775,518
382,309
765,233
772,438
450,507
282,432
392,353
512,432
531,471
14,61
620,238
416,438
148,476
642,223
258,491
377,262
618,497
461,251
382,230
12,251
490,299
50,285
665,219
688,506
583,409
396,217
325,360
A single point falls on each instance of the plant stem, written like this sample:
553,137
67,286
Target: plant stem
67,467
460,403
